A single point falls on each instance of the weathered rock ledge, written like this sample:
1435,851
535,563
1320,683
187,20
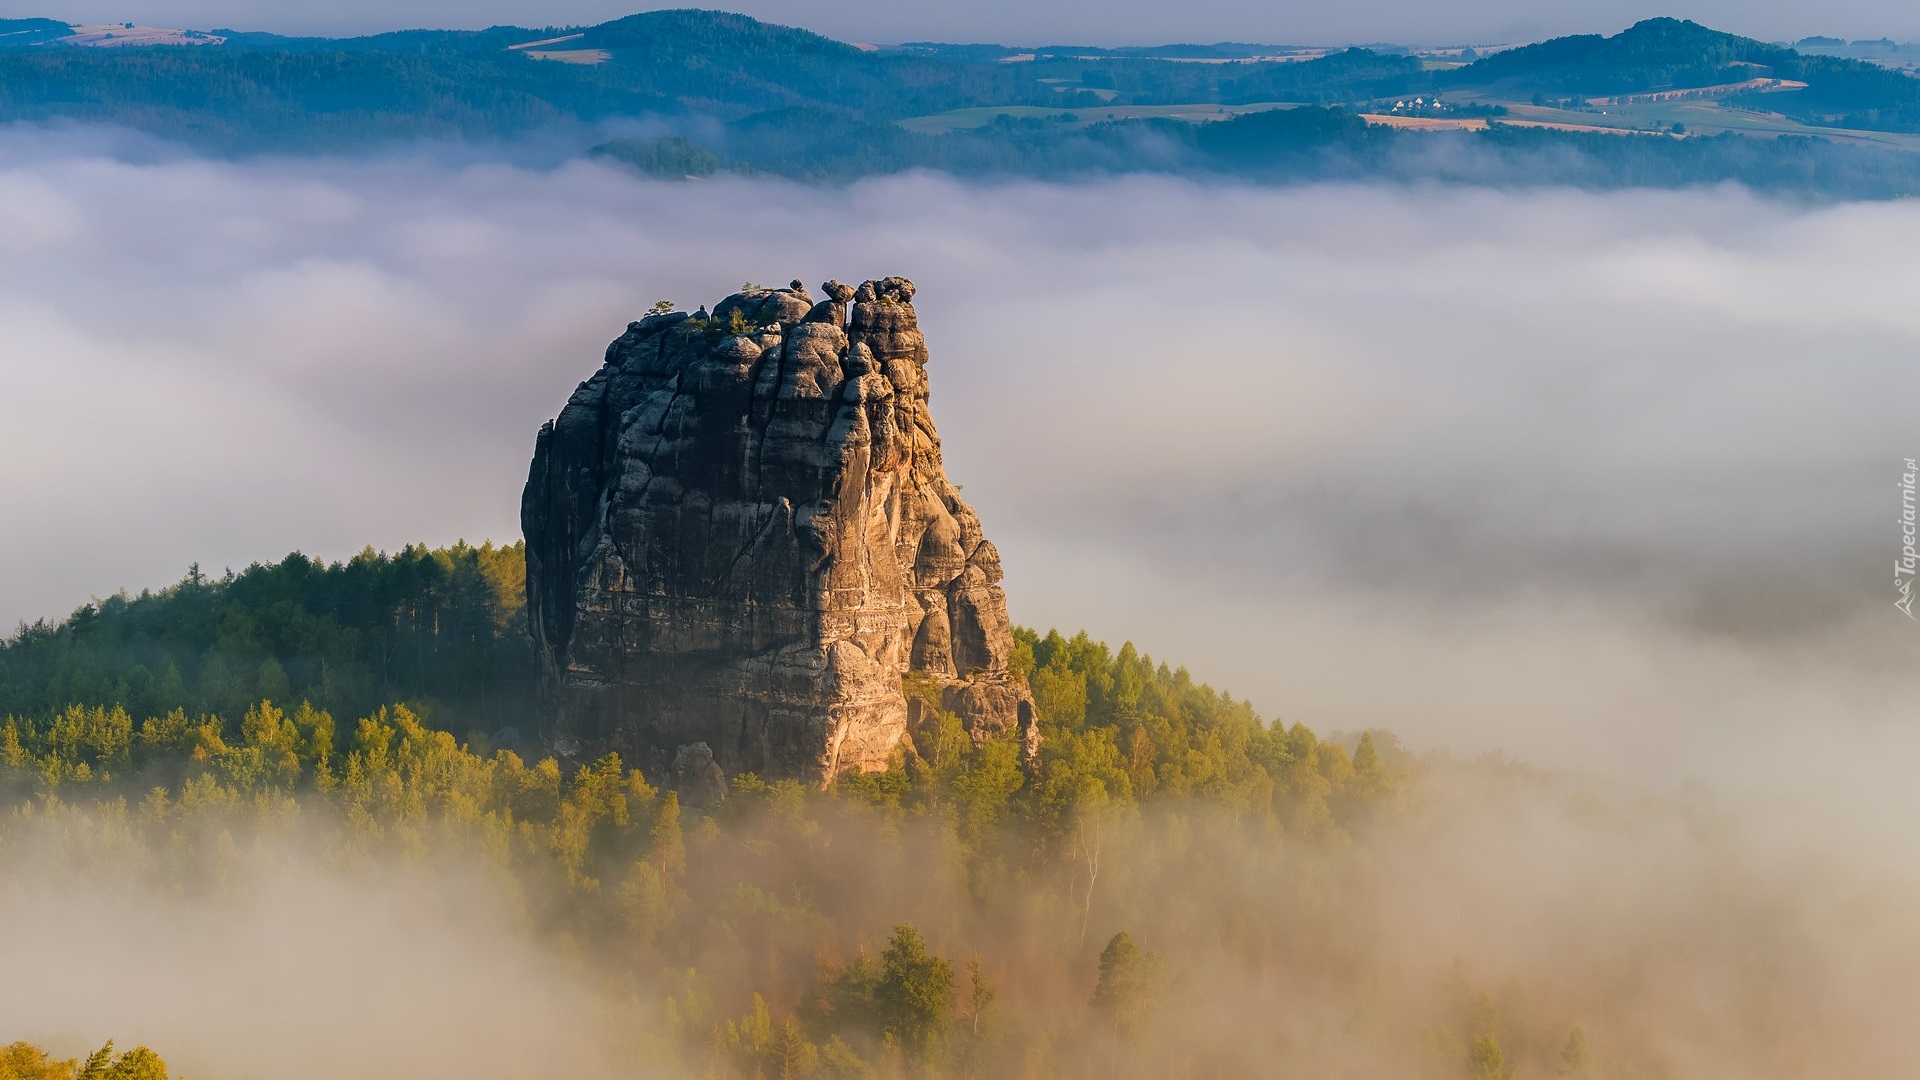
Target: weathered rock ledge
739,532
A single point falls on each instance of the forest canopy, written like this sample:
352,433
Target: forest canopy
202,717
1175,887
438,628
26,1061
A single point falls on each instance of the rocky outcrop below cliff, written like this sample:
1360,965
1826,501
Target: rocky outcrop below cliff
739,532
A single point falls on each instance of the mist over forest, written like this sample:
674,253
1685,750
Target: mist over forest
1461,634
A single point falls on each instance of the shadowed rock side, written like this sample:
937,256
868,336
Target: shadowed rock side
739,532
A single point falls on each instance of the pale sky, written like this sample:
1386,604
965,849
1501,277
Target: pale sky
1113,22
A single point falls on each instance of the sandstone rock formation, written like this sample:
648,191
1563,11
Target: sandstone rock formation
739,532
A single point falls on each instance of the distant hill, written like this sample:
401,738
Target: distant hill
1672,54
1654,53
755,97
264,92
21,33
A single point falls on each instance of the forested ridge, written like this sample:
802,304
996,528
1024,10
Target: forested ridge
1661,54
721,92
881,927
432,642
1176,887
261,91
441,628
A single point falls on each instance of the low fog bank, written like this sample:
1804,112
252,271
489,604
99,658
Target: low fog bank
1493,897
1607,481
275,956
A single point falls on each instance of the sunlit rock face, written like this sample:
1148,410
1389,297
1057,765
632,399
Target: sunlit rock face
739,532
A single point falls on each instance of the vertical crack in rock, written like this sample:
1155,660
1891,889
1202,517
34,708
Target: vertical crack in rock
740,533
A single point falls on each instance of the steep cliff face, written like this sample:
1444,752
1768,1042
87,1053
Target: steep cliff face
739,532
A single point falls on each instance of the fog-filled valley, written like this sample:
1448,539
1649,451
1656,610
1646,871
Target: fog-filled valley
1480,915
1515,684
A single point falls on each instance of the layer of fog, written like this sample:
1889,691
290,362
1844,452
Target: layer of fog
275,960
1605,481
1125,22
1679,945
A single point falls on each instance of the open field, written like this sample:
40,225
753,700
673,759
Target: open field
1426,123
967,119
538,50
1702,93
544,42
571,56
116,35
1064,85
1699,118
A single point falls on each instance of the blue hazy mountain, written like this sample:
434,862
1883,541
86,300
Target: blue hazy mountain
714,91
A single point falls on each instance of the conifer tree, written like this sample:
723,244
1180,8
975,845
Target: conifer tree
1484,1059
97,1063
1129,986
669,845
792,1055
1573,1054
916,992
138,1063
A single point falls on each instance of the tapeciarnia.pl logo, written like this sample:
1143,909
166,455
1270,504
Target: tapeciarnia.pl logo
1906,563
